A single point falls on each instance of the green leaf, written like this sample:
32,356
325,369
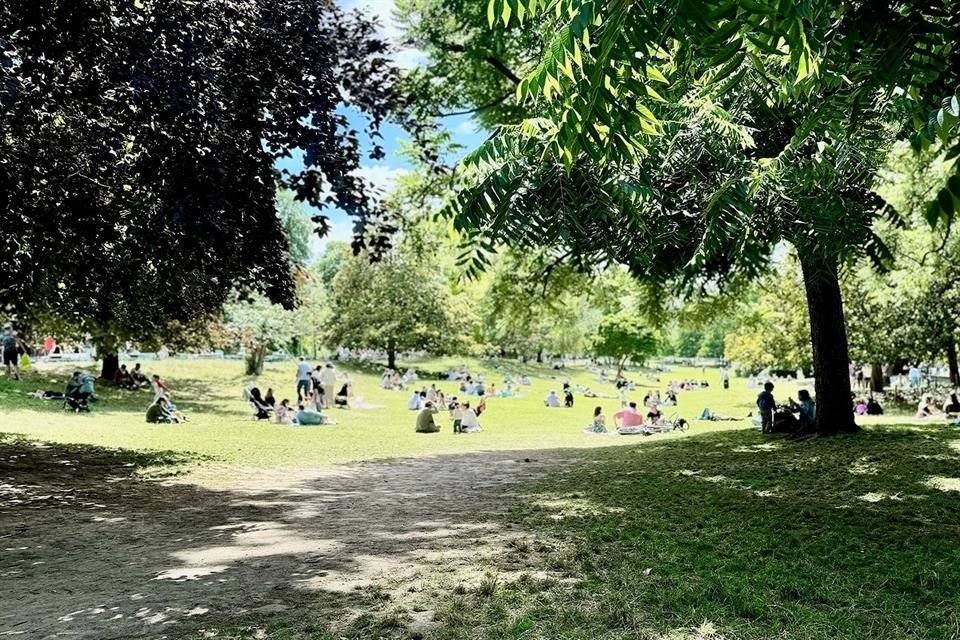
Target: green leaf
505,14
953,184
945,198
491,12
933,213
652,73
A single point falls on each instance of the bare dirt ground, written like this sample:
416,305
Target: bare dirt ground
90,550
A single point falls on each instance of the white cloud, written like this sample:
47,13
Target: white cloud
380,177
341,230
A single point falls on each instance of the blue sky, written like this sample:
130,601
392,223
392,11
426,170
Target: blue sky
383,174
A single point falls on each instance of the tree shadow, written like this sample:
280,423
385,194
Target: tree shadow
759,534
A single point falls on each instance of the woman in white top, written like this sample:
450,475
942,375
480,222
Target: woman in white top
468,420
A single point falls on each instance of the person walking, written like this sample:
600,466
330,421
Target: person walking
303,379
10,344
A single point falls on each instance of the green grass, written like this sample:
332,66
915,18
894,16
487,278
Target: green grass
221,427
724,535
731,535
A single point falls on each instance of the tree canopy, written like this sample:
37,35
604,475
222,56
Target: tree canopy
686,141
139,144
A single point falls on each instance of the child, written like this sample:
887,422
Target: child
456,412
283,411
766,405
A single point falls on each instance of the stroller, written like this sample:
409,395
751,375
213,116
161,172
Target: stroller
79,397
78,402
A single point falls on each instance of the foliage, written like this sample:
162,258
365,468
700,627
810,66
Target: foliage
138,143
395,305
771,329
624,337
257,326
297,227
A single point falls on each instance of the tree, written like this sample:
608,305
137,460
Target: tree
138,151
394,305
623,337
257,326
702,135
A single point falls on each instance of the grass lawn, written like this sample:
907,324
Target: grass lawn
222,431
284,533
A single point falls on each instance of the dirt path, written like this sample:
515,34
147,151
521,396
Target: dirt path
88,551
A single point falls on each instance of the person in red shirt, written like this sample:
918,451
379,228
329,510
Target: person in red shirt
628,417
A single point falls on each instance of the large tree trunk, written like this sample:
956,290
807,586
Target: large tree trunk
391,358
110,363
828,333
876,378
952,361
540,355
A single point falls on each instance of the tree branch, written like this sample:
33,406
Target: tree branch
482,107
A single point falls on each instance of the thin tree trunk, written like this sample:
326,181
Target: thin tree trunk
110,363
622,363
831,359
952,361
391,358
876,378
540,355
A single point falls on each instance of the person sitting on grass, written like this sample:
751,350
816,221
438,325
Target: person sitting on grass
425,421
283,412
807,409
308,417
414,404
599,424
269,399
342,399
469,423
873,407
139,379
951,407
654,415
123,379
927,408
568,399
159,413
628,417
552,400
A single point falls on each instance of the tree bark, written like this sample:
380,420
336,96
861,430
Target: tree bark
876,378
540,355
391,358
255,360
828,334
952,361
110,364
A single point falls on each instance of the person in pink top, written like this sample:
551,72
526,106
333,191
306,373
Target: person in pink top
628,417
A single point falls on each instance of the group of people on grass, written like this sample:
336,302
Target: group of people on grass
774,418
932,407
465,419
131,379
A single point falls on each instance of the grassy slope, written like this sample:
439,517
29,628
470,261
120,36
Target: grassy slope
221,426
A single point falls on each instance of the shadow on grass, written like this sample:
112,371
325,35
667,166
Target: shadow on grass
192,392
726,535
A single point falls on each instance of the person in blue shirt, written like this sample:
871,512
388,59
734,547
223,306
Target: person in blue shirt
303,379
766,404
